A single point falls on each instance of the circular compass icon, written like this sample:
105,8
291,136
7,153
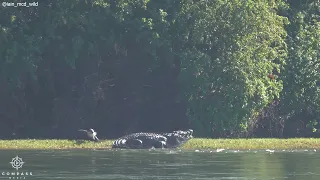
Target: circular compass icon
17,162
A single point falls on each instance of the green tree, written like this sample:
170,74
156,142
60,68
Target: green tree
300,99
231,47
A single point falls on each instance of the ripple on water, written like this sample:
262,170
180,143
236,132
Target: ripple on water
171,165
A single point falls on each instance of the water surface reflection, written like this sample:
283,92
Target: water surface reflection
164,164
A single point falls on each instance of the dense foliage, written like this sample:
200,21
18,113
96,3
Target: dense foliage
224,68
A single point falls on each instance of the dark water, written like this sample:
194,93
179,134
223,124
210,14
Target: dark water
162,164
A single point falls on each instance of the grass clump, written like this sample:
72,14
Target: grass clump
196,143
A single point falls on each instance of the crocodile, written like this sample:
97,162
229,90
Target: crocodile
145,140
177,138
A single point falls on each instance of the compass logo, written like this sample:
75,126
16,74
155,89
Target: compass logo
17,162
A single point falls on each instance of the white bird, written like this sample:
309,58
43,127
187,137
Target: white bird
91,134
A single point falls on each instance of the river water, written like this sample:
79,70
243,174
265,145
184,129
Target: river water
160,164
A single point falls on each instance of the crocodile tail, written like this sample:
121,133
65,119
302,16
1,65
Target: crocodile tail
127,143
119,143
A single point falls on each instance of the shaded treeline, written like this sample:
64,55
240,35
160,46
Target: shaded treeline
224,68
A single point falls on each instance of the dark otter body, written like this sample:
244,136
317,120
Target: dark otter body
153,140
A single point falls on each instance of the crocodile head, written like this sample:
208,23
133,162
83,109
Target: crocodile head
178,138
185,134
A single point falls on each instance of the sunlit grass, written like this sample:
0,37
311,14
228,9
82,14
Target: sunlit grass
53,144
197,143
294,143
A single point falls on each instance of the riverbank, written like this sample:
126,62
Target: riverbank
196,143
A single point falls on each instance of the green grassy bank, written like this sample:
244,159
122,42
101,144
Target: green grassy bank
197,143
